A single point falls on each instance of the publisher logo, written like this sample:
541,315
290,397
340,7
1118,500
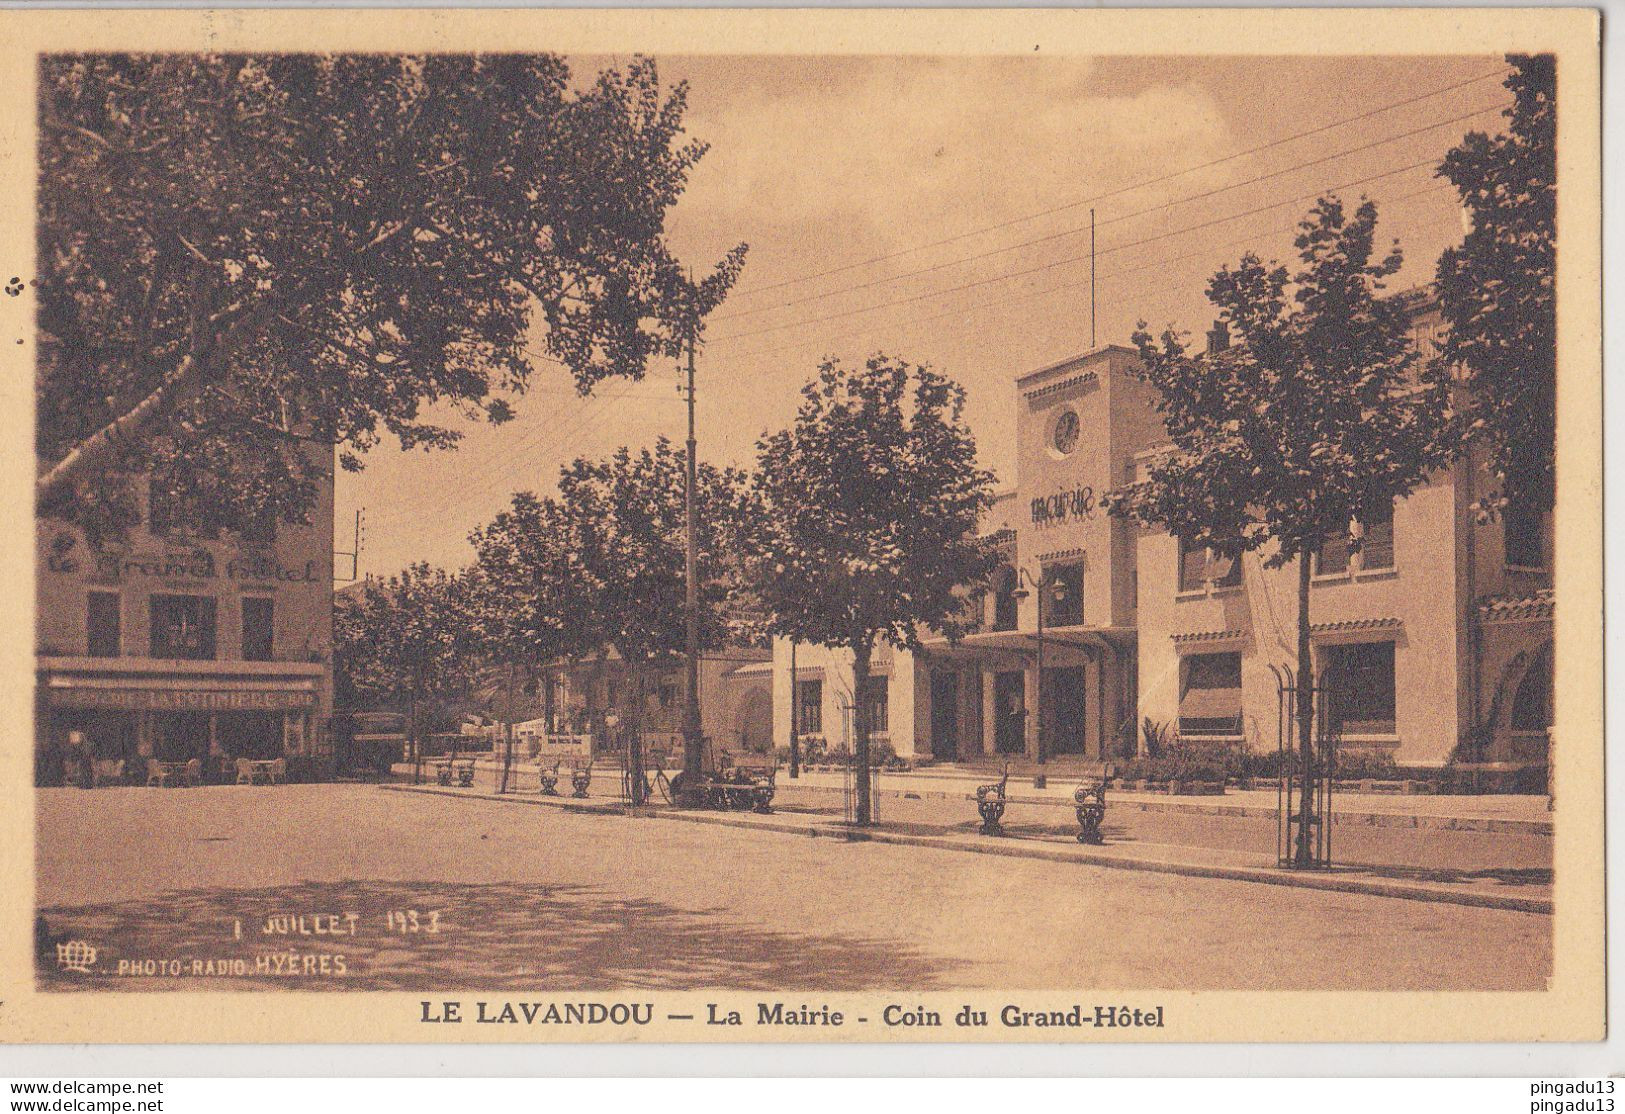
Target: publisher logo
75,955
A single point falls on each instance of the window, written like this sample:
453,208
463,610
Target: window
1063,599
1361,678
183,627
1004,601
810,707
875,703
1192,565
1210,697
1332,558
1213,671
1377,542
1376,547
1198,563
1525,538
103,625
257,612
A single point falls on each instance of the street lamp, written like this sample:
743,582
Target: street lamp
1057,591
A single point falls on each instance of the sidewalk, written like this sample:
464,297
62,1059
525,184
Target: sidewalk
1504,813
1489,868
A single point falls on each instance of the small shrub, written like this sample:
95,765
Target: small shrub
1156,737
1378,765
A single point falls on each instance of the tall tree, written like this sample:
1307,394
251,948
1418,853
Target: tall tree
1318,419
406,640
872,500
1498,290
626,518
536,599
241,252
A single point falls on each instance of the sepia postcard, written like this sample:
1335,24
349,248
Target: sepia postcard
747,525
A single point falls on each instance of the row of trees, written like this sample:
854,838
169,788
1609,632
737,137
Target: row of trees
858,526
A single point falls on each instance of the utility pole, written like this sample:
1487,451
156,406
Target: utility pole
353,553
795,714
693,742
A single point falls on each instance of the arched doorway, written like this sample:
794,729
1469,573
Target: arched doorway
1530,716
753,721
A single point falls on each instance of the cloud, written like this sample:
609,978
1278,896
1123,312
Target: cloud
885,152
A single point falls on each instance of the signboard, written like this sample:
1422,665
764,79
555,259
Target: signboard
183,700
1063,506
260,569
200,565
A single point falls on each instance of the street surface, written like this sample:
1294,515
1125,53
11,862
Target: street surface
420,892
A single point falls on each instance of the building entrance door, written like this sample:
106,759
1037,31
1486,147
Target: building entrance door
1010,712
944,714
1065,695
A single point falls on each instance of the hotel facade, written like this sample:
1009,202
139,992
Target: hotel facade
1436,628
173,645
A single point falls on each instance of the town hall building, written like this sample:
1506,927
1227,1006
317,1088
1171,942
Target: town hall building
1437,626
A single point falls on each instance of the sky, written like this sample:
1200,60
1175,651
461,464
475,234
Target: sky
938,210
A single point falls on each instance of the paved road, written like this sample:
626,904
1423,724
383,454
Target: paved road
536,898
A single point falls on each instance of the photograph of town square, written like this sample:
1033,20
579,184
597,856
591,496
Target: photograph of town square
1022,522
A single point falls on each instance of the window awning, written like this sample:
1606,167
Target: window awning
1211,704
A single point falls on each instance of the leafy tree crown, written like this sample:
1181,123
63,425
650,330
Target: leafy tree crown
1498,289
872,501
1322,413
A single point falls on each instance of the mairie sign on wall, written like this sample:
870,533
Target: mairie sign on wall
1063,506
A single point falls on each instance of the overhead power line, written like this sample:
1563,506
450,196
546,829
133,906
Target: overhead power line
1078,230
1050,266
754,290
1076,284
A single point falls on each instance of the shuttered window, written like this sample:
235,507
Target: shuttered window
1210,697
102,621
1361,678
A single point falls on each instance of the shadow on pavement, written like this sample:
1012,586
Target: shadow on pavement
498,936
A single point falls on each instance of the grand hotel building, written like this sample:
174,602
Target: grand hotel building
174,645
1439,625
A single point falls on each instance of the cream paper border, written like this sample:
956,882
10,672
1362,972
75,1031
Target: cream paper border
1573,1008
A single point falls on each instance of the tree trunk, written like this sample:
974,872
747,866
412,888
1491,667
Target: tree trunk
795,715
860,723
1306,720
507,749
414,740
550,713
634,740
